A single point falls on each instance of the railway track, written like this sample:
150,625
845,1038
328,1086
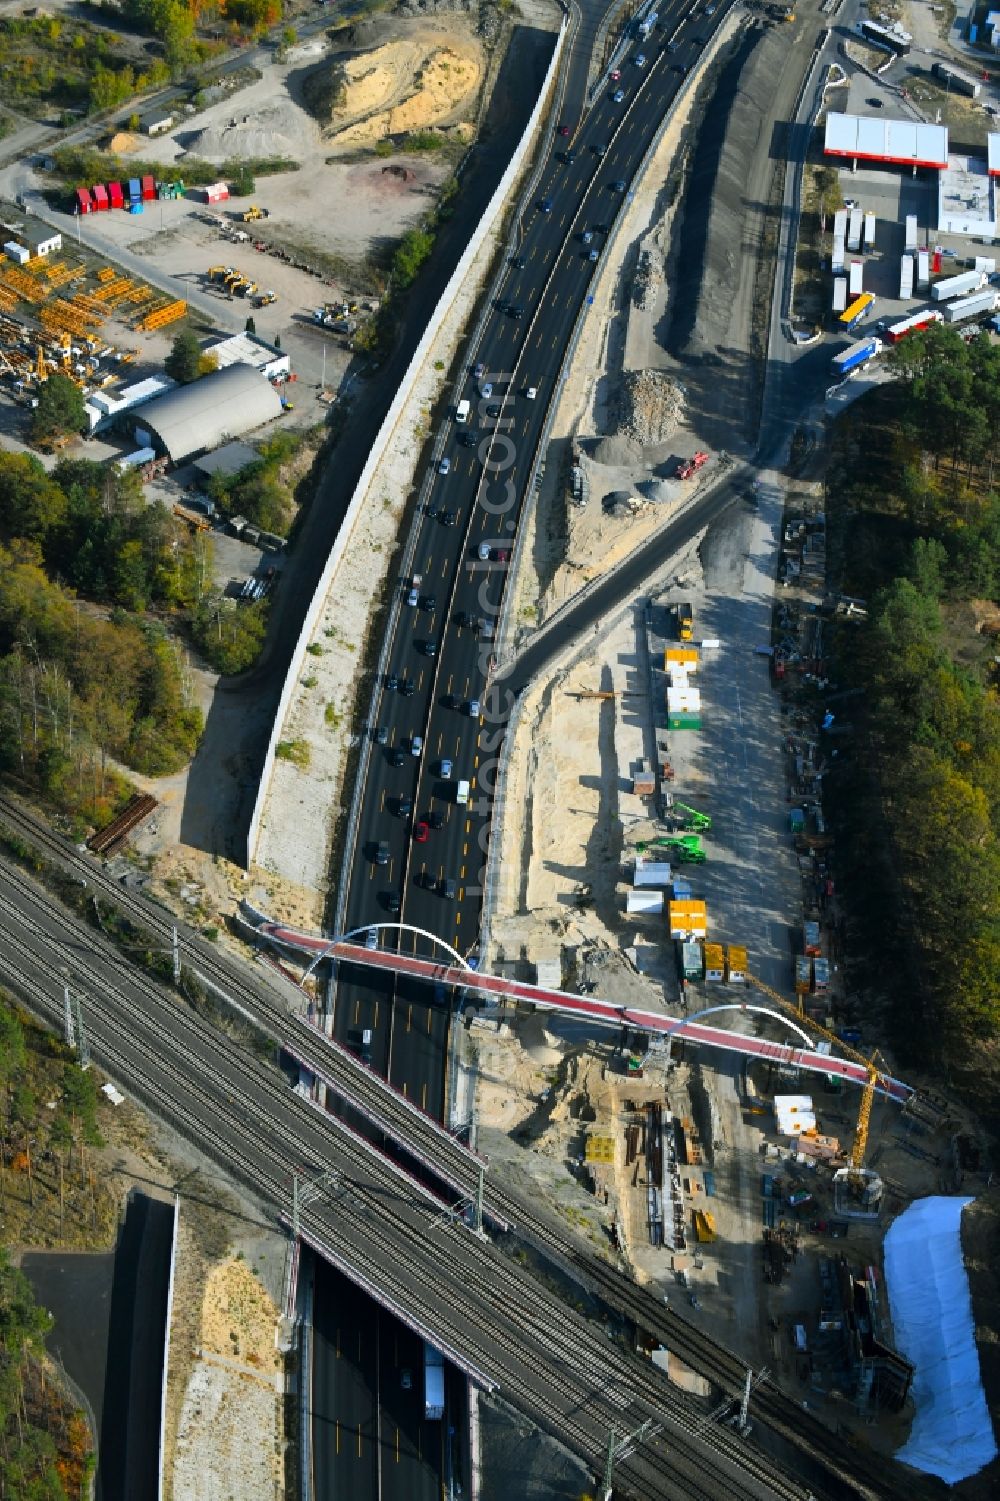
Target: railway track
250,1121
850,1473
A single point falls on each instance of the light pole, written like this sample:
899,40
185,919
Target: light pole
624,1447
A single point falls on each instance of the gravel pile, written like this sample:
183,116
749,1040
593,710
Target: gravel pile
617,452
648,279
650,406
281,130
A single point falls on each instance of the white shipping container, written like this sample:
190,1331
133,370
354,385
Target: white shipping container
839,293
906,277
854,231
650,902
986,263
923,268
970,307
911,231
840,224
869,231
837,258
857,278
650,872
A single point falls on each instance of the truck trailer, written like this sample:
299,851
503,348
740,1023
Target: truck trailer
857,310
962,285
837,255
905,277
923,268
854,229
971,307
857,274
839,293
869,231
911,232
957,79
855,356
924,319
433,1383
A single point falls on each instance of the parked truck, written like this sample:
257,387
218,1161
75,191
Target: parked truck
970,307
839,293
962,285
857,274
911,232
869,231
685,621
837,256
905,277
855,225
923,268
856,355
925,318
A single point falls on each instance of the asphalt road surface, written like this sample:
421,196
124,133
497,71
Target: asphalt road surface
419,850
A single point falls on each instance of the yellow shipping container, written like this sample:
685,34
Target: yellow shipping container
715,968
736,964
688,918
704,1225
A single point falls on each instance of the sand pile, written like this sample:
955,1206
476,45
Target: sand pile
412,84
650,406
124,142
280,129
648,278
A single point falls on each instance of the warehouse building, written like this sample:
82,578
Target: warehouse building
966,199
199,417
103,408
899,143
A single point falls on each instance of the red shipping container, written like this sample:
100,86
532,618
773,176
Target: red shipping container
936,263
115,194
148,190
100,193
83,203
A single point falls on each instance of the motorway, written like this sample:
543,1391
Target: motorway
380,1227
441,655
456,1169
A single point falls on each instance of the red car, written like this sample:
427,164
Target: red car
502,555
421,832
616,73
564,130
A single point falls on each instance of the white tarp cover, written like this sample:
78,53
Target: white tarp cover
952,1436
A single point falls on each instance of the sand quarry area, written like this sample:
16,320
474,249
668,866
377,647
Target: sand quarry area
425,78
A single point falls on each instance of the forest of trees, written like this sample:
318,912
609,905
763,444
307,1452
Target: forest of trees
87,674
920,526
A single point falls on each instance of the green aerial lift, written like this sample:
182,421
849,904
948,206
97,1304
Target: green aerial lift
691,819
685,848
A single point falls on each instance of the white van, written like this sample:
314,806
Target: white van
462,411
461,792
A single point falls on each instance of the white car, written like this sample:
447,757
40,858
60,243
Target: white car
473,708
486,390
416,744
444,466
531,392
484,552
445,767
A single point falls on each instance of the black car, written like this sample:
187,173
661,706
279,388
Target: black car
391,682
449,701
518,262
493,411
679,68
446,888
569,157
515,310
390,900
600,150
447,518
380,734
404,806
436,819
406,687
378,853
618,186
429,648
876,103
397,757
465,621
428,602
468,440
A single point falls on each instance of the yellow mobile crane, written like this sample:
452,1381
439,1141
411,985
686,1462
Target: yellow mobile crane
875,1074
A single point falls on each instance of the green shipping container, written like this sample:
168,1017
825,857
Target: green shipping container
683,721
691,961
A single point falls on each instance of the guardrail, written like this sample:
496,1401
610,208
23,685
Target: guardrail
381,443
